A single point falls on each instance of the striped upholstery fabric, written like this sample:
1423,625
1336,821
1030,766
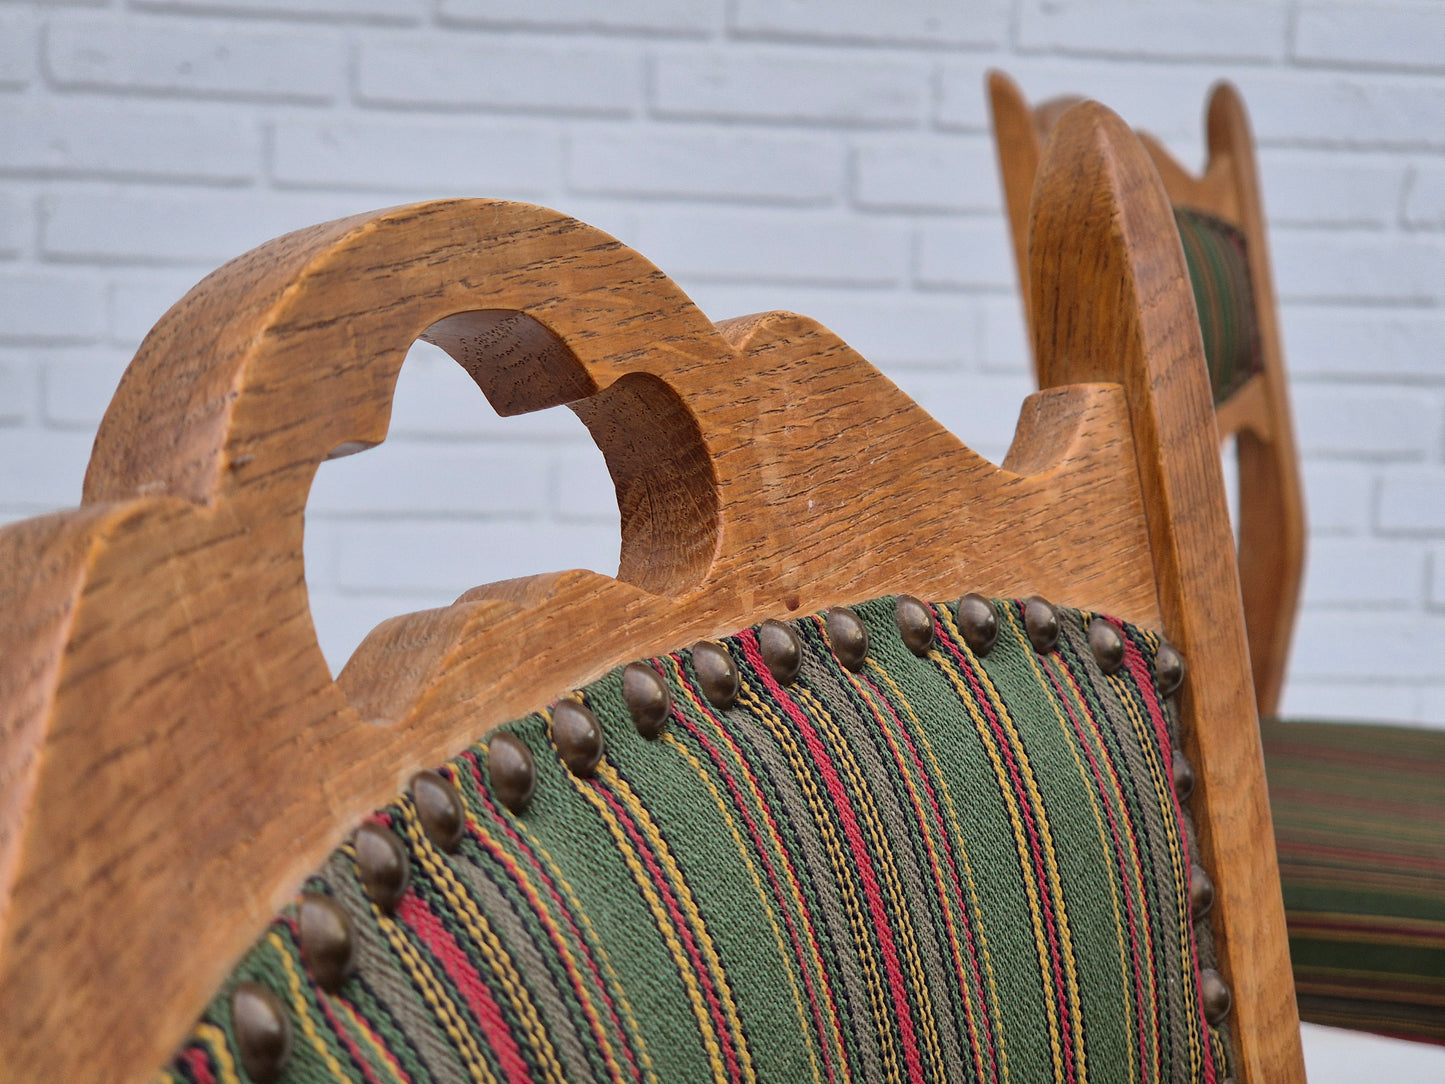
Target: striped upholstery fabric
939,868
1218,262
1359,819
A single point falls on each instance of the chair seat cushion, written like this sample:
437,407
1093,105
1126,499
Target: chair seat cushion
1359,820
946,865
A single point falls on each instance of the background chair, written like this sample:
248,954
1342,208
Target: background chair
1357,809
179,759
1220,218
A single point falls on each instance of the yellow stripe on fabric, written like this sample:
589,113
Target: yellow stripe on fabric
1143,898
615,986
643,881
762,708
363,1027
434,993
639,809
948,667
302,1008
976,1042
1021,847
1163,788
1051,858
542,912
882,846
1106,845
804,1024
220,1049
485,938
843,873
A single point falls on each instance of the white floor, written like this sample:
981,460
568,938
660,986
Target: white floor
1333,1056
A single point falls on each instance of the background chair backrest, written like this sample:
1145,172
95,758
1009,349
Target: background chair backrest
177,756
1216,211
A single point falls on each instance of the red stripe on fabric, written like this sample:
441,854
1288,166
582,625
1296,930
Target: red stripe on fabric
427,926
843,804
941,823
199,1065
1050,920
739,800
1143,678
505,825
1136,955
357,1057
680,924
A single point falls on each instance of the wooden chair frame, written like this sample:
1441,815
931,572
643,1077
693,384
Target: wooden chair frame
176,756
1271,526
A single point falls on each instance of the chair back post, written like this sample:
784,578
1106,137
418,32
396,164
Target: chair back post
1111,302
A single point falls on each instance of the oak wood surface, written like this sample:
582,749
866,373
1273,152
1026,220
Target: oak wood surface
176,754
1271,526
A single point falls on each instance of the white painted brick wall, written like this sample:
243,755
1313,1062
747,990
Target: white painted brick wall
828,156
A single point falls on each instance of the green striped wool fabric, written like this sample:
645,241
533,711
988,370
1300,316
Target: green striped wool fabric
1359,821
953,865
1218,260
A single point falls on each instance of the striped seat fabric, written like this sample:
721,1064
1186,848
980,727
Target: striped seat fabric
1218,261
938,862
1359,819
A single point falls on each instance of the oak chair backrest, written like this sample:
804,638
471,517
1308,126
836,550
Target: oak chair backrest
1271,524
176,756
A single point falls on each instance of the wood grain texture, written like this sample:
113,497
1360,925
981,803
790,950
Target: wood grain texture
1096,231
188,758
1271,530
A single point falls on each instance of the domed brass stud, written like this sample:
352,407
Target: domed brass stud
326,943
1183,776
262,1030
848,635
1217,998
915,624
1107,644
1041,622
1168,670
782,650
439,808
512,770
649,700
716,673
978,621
385,869
577,736
1201,893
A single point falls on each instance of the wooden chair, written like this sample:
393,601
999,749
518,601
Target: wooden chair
1221,222
1357,809
178,763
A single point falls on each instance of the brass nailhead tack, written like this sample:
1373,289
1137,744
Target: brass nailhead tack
1107,644
384,867
577,736
649,701
1168,670
849,637
1217,998
439,807
915,624
1042,624
1201,893
716,673
512,770
1183,776
782,650
326,943
263,1033
978,622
